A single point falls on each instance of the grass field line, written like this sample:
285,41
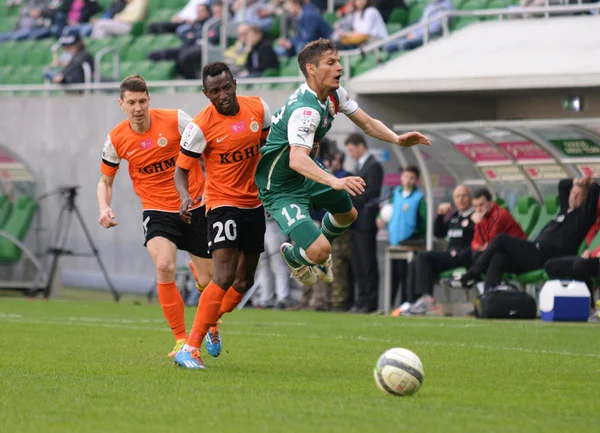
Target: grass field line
120,325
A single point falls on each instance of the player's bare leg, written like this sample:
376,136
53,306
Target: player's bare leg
202,270
164,254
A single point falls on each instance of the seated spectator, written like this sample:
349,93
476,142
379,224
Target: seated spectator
188,15
30,18
561,236
385,8
365,24
236,55
80,16
188,56
456,225
415,39
257,12
310,26
582,268
261,55
122,22
75,55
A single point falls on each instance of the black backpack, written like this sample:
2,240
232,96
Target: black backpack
507,302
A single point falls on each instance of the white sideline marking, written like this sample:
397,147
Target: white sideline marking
16,318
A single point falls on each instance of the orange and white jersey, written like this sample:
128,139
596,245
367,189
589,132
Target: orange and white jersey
230,147
152,158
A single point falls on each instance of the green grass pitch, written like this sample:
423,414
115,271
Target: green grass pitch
81,366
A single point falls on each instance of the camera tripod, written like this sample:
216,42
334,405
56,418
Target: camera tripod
59,241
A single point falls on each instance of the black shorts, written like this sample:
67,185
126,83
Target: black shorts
232,227
188,237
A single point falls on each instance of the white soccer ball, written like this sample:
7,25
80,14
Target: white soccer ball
399,372
385,212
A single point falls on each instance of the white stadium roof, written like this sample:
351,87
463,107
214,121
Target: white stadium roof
496,55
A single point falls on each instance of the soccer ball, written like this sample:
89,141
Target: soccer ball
386,212
399,372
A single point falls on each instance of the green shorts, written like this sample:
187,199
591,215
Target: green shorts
291,209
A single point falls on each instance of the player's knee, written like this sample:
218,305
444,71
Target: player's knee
242,285
347,218
319,250
165,268
224,279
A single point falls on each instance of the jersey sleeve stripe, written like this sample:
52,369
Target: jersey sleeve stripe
110,164
190,153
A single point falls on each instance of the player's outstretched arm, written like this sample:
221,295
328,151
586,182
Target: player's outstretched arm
301,162
182,185
378,130
104,192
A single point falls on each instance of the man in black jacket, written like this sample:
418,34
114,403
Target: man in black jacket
74,72
364,229
261,56
560,237
456,225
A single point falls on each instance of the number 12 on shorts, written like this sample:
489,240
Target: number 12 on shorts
297,216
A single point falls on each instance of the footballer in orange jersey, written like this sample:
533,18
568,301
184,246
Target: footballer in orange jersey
228,134
149,139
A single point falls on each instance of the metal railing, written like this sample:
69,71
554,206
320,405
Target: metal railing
98,63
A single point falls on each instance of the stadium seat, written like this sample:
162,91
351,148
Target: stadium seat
17,225
499,4
398,16
415,12
5,208
547,212
274,32
365,64
501,202
460,22
330,17
526,213
471,5
393,28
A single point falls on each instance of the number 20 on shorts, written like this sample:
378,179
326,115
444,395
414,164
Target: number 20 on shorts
225,231
295,210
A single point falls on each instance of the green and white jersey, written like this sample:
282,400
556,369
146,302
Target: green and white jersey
302,121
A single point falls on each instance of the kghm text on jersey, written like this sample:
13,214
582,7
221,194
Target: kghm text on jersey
239,156
158,167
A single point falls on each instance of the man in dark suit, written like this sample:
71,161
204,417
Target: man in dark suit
364,229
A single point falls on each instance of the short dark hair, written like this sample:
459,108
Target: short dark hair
413,169
214,69
341,156
356,138
483,192
312,52
133,83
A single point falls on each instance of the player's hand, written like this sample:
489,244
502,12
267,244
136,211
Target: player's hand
354,185
184,209
444,208
411,139
107,218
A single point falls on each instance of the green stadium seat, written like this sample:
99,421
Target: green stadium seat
547,212
415,12
393,27
289,67
399,16
330,17
499,4
166,41
5,208
526,213
501,202
160,15
369,62
17,225
471,5
141,47
8,23
274,32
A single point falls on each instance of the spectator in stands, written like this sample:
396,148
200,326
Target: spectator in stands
582,268
456,225
415,39
366,24
310,26
188,56
364,229
30,19
186,16
561,237
385,8
80,16
84,28
407,225
272,270
333,296
261,55
73,71
236,55
256,12
121,23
